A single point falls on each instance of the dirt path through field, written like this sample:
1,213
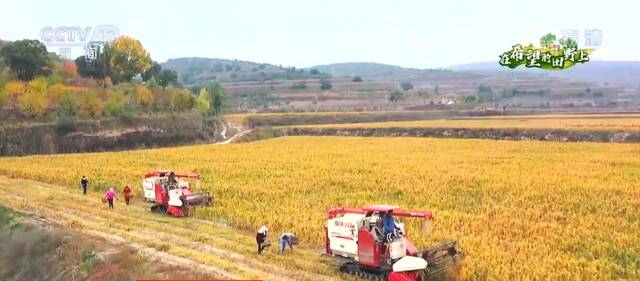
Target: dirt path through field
206,245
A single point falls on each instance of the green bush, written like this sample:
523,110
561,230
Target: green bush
113,108
67,105
183,100
88,259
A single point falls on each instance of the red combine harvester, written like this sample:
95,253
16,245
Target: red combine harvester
173,193
356,238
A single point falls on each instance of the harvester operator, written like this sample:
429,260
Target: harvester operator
388,225
171,180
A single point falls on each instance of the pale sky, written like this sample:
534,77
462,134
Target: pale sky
420,34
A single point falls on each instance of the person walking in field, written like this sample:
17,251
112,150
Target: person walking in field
287,239
127,194
261,237
110,196
84,182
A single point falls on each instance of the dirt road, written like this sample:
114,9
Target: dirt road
204,244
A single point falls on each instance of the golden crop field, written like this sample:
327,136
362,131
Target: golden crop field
604,122
521,210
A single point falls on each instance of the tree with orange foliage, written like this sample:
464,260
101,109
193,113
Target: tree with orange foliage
55,92
68,70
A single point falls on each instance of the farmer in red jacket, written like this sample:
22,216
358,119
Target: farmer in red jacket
110,195
127,194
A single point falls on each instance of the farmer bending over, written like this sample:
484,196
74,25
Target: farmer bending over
287,239
261,237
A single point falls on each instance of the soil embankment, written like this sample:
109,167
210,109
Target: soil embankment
110,134
468,133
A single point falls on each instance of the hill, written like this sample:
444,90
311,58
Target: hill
365,69
620,73
194,71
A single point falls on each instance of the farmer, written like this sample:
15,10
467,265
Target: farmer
172,178
127,194
287,239
388,225
261,237
84,182
110,195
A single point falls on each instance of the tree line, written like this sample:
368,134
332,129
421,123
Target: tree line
116,77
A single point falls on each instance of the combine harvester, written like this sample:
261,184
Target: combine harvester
172,192
356,239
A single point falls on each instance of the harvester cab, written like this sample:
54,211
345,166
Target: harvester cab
173,192
357,238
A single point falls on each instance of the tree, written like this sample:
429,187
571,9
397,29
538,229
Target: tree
325,84
168,77
153,84
406,85
68,70
396,96
484,93
127,57
436,90
357,79
97,68
153,71
26,58
204,102
471,99
33,104
144,97
314,71
547,40
216,97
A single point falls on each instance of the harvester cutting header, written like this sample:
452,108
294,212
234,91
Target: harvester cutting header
173,192
370,243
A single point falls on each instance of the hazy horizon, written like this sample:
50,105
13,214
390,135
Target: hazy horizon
411,34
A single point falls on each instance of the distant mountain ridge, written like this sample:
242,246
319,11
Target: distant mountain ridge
623,73
362,69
